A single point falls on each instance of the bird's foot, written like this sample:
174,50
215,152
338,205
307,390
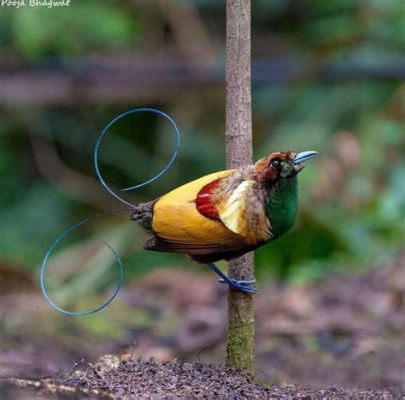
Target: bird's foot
235,284
240,285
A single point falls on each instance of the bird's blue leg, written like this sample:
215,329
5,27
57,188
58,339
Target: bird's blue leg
241,286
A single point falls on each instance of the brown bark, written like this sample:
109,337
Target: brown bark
240,350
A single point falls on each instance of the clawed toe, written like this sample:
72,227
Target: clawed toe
235,284
240,285
244,289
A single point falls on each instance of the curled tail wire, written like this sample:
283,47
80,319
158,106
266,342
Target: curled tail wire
50,250
155,177
131,206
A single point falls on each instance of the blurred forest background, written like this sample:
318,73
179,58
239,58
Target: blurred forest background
327,76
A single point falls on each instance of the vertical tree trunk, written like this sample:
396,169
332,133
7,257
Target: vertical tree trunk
240,350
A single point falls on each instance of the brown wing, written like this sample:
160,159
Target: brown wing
157,243
201,253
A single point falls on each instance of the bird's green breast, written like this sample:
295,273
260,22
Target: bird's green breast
282,206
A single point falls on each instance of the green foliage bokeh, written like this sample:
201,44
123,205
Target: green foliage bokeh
358,225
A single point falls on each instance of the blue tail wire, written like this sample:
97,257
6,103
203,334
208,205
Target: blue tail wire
49,252
156,176
72,228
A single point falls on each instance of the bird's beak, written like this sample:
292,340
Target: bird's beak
304,156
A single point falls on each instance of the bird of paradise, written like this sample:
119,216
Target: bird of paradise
226,214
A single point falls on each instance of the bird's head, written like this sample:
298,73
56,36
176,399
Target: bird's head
281,165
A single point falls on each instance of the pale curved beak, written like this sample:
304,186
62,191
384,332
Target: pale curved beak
304,156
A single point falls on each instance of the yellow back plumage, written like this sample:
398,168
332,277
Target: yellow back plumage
175,216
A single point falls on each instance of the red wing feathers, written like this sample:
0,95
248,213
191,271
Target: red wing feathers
204,200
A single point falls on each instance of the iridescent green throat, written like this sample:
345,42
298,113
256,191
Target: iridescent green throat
282,206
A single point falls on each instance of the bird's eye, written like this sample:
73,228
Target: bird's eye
276,163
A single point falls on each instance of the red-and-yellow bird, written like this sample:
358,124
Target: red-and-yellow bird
228,213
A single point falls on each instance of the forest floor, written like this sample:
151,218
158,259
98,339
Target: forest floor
340,338
152,379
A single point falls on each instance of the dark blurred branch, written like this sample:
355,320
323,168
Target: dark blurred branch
123,79
190,33
72,183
